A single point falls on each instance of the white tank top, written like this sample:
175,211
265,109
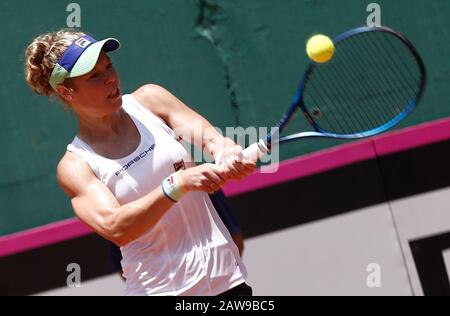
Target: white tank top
189,251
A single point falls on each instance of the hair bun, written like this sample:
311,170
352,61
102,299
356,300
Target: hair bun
42,55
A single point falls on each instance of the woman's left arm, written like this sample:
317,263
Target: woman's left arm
186,122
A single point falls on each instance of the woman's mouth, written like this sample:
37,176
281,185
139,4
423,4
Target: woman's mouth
115,94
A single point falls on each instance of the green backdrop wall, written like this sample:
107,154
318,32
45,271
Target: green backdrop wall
237,62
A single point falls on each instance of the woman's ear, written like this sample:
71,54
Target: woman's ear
65,92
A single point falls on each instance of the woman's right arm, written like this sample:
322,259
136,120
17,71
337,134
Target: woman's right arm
96,206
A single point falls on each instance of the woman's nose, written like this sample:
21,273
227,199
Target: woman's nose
110,79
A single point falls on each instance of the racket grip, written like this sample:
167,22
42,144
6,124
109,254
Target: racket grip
256,150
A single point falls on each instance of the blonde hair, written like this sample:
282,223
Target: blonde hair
43,54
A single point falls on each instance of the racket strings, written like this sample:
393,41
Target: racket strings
372,79
375,84
381,110
393,65
353,87
331,78
372,117
323,98
348,101
407,69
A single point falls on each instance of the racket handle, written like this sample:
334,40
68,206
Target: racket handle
256,150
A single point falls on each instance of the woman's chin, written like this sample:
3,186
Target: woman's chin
115,99
118,102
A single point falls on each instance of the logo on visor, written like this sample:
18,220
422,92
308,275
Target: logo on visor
82,42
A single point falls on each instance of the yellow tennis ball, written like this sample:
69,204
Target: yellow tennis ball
320,48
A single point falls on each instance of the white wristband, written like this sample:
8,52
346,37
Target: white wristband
173,187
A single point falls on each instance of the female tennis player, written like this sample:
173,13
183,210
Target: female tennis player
131,180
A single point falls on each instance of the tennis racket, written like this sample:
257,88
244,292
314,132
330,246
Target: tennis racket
375,79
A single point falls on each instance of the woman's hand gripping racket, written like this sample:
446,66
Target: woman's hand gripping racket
375,79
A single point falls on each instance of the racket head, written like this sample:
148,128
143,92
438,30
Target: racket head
375,80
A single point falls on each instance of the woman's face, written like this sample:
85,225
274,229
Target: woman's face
97,93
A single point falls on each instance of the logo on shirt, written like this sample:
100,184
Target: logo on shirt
135,160
179,164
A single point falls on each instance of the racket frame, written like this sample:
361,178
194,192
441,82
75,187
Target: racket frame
298,101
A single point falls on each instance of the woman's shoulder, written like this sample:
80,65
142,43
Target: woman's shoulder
154,98
148,88
71,169
68,160
149,93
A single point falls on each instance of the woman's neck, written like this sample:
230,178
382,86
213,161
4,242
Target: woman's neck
105,127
